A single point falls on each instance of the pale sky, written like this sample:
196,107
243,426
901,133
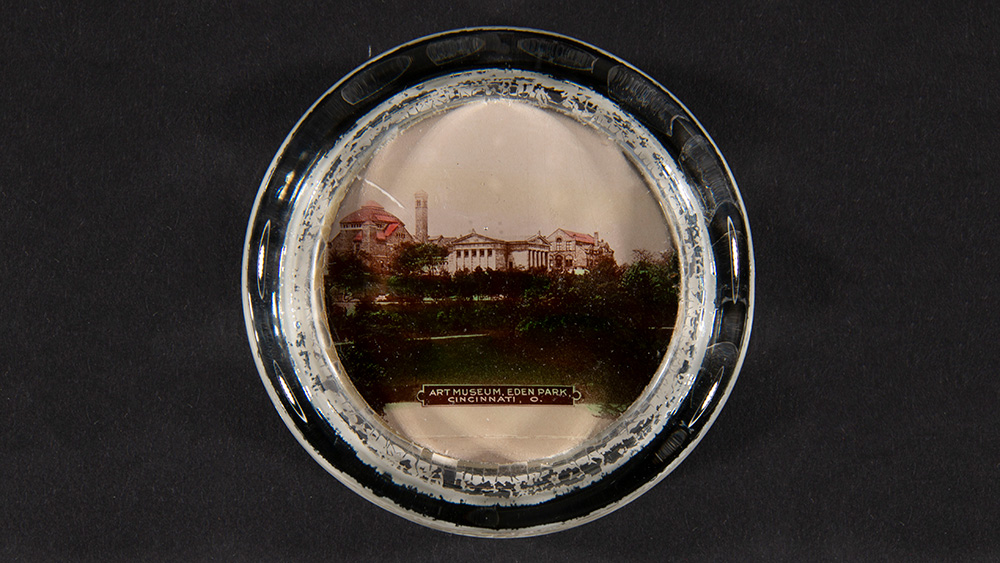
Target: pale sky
507,169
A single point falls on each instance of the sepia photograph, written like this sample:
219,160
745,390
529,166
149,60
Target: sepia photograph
500,284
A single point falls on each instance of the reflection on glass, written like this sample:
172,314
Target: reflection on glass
500,285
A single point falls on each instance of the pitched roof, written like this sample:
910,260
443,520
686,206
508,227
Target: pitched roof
383,235
529,238
373,212
442,240
578,237
473,237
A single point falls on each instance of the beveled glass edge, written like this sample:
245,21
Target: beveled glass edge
288,404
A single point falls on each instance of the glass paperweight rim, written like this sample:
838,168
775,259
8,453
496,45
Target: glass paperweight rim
713,382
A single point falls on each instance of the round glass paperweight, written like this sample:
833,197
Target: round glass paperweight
498,282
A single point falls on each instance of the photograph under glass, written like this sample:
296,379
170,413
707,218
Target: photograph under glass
500,285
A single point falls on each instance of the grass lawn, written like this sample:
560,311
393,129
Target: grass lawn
394,370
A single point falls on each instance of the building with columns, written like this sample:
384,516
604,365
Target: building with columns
474,250
378,234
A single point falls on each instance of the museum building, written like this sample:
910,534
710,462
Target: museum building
377,233
373,231
474,250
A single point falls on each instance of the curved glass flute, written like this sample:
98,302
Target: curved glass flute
498,282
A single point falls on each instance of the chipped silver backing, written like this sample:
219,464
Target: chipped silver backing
291,342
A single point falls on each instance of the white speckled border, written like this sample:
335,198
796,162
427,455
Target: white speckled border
302,322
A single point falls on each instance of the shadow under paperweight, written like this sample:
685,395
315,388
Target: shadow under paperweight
498,282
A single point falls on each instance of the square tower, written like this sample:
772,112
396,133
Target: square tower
421,216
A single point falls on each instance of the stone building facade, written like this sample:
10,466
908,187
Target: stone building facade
570,250
474,250
373,231
378,234
420,213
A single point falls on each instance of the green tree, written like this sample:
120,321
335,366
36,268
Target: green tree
418,258
651,283
348,276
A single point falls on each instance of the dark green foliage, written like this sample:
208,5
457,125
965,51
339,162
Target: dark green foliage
650,280
347,276
416,258
415,288
605,331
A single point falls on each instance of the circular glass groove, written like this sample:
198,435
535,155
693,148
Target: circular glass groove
282,259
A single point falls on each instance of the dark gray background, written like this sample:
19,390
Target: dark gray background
864,426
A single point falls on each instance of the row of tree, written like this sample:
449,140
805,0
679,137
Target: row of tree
416,274
606,329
